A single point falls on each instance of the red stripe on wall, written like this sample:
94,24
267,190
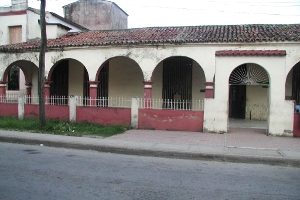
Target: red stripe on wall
20,12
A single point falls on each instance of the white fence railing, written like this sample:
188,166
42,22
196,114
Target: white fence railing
113,102
171,104
9,98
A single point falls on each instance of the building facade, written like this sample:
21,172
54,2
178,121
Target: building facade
20,23
238,71
96,14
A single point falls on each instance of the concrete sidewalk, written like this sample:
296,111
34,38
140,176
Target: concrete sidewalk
240,145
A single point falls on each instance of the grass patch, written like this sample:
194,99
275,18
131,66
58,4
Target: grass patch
60,127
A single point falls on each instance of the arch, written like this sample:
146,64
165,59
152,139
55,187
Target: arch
120,76
179,78
64,83
182,56
25,83
249,74
113,57
292,84
249,94
26,66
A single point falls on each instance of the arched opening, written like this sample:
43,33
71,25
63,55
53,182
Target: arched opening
69,77
292,86
120,77
21,78
249,97
179,80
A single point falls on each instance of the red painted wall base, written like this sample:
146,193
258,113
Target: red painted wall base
105,116
8,110
175,120
297,125
52,112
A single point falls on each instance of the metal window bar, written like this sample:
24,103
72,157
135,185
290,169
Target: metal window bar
104,102
171,104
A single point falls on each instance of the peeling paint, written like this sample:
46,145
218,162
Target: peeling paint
57,57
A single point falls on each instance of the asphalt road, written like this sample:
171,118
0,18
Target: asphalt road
43,173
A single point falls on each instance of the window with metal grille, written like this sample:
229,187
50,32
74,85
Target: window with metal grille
102,89
177,83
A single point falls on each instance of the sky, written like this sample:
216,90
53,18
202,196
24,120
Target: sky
149,13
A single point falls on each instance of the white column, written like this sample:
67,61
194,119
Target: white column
21,110
72,108
134,112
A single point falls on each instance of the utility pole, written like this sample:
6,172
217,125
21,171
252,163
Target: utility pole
41,80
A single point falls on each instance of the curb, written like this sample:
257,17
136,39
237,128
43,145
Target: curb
158,153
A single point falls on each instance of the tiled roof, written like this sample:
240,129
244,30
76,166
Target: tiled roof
251,53
171,35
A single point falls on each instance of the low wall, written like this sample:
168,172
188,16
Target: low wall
51,111
297,125
104,116
8,110
175,120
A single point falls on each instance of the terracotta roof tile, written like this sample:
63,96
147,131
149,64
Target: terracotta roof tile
171,35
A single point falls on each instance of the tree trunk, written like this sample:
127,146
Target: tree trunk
41,80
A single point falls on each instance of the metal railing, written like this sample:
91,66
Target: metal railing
113,102
9,98
171,104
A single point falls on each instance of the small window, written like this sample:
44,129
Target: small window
15,34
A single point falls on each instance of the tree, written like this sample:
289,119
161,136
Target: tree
41,79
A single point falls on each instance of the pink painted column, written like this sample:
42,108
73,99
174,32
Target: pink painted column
93,92
2,88
147,94
209,90
47,91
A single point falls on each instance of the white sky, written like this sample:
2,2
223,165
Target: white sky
145,13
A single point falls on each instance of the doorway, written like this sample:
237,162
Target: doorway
248,97
237,101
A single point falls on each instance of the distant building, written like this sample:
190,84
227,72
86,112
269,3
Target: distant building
20,23
97,14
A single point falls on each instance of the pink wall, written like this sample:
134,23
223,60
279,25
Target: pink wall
8,110
105,116
297,125
52,112
175,120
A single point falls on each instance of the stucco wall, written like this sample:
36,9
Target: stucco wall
12,20
34,30
76,75
125,78
96,15
216,110
257,104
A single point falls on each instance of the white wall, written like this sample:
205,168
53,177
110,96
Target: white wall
125,78
76,76
12,20
257,104
34,30
216,110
